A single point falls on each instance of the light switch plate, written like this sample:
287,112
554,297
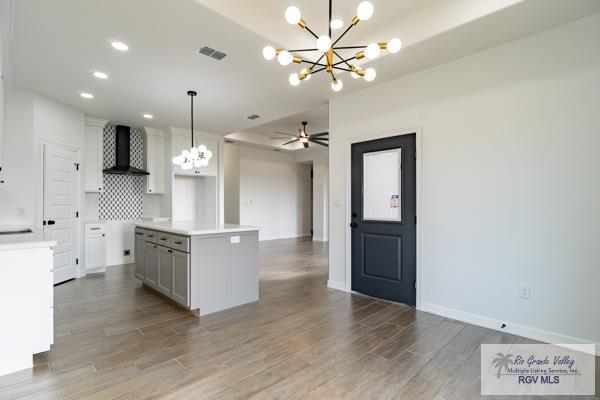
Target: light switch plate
235,239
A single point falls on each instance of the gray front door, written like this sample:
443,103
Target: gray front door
384,206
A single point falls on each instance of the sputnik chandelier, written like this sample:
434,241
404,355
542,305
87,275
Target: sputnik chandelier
325,44
195,157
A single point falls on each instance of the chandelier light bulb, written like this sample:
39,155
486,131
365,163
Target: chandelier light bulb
337,85
394,45
202,148
364,10
324,43
208,155
269,53
370,74
293,15
194,152
187,166
294,79
284,58
372,51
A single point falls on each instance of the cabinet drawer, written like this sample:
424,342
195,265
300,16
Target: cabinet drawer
164,239
94,228
151,236
140,233
181,243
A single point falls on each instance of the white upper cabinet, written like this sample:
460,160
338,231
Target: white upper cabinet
94,153
182,141
155,161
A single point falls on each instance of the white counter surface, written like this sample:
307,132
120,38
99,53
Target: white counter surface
193,228
21,245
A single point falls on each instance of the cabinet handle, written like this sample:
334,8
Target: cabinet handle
163,239
94,229
178,242
150,236
139,233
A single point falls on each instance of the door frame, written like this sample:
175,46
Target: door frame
348,208
78,242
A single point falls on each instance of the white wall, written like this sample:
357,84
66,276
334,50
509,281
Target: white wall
275,193
321,200
232,183
509,181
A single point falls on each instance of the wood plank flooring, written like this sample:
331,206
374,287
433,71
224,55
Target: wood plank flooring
115,339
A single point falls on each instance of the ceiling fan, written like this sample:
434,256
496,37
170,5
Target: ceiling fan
304,138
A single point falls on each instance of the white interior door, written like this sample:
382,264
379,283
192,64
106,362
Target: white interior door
60,191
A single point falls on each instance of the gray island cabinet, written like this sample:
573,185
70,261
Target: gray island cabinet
205,268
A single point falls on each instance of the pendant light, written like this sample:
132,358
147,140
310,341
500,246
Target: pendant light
195,157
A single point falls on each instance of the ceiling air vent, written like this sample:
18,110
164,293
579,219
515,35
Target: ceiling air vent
210,52
253,116
217,55
206,51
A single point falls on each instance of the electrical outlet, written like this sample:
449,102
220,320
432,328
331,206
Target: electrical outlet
21,212
126,252
525,291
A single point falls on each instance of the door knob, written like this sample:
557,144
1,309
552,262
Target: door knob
51,222
353,225
354,215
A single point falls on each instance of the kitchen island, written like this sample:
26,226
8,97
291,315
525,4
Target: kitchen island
203,267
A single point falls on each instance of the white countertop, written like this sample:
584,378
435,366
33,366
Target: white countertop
192,228
25,244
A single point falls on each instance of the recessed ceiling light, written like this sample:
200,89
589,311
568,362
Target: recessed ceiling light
100,75
337,23
86,95
148,116
119,46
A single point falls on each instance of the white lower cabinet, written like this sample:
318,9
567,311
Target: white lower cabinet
163,268
95,248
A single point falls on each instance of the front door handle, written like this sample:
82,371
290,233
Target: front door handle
51,222
353,225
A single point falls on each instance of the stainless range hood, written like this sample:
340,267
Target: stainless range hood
123,148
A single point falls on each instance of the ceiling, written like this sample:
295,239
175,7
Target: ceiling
57,44
317,118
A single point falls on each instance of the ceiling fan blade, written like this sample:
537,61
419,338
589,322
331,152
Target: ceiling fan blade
286,134
290,142
317,141
305,145
319,134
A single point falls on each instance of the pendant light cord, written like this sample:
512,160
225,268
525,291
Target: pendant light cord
191,93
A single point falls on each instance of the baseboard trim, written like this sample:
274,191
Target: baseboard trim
319,239
120,261
512,328
336,285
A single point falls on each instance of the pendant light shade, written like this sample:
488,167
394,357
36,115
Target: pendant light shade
195,157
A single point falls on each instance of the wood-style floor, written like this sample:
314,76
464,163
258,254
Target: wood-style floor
115,339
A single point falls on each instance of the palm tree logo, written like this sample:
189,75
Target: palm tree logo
502,361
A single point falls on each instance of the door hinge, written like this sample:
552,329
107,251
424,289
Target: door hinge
76,214
77,261
415,285
415,154
77,166
415,219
